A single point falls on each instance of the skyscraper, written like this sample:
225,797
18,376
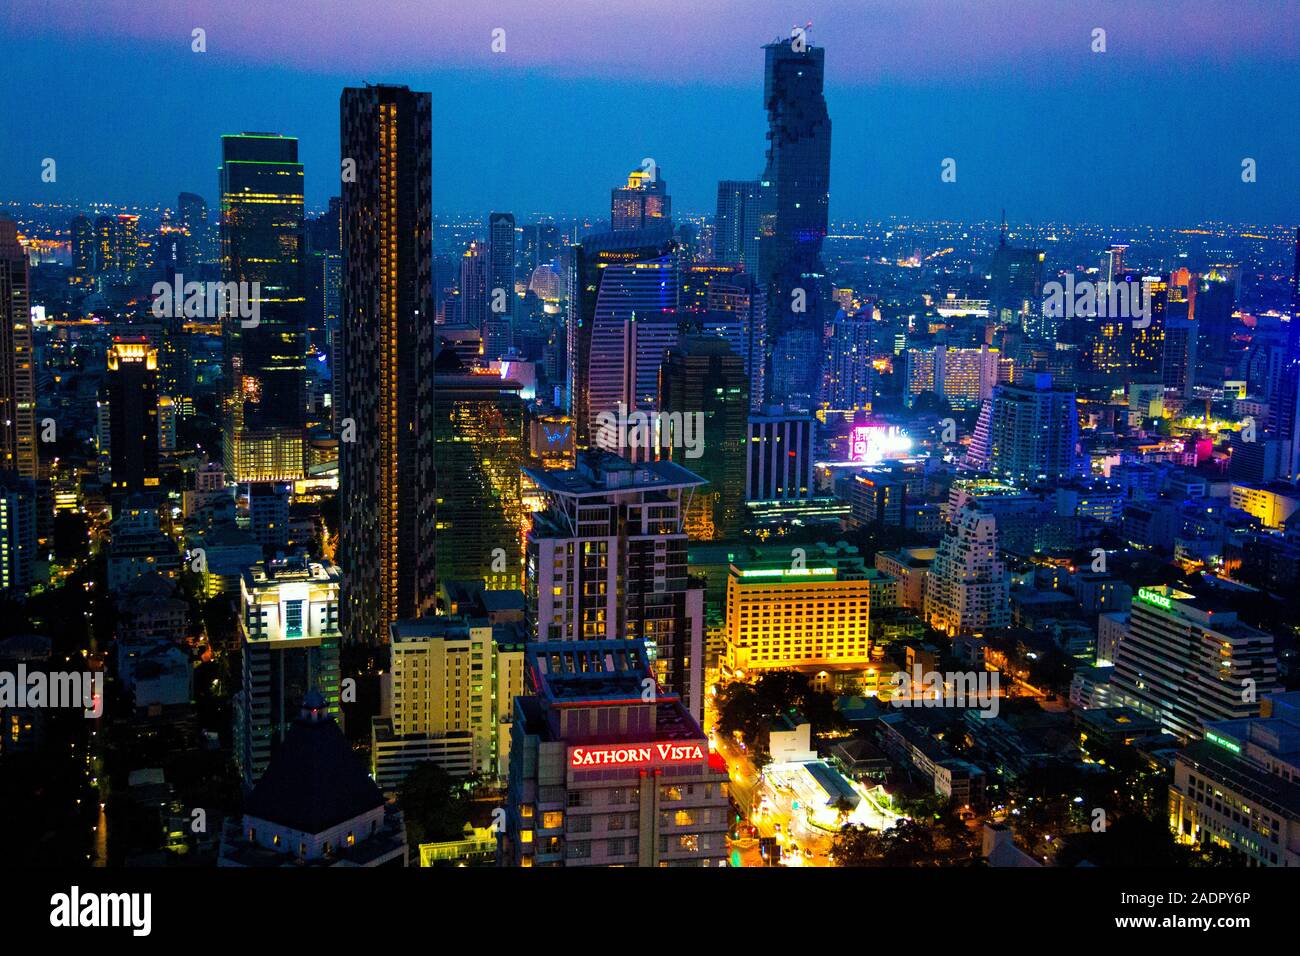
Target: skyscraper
386,447
17,376
966,587
265,353
1016,286
606,559
795,183
613,276
192,211
644,201
703,375
84,260
737,226
133,414
737,309
1027,432
479,447
498,323
473,286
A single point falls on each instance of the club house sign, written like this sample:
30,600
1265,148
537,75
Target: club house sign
635,755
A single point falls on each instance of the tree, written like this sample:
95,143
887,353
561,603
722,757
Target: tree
434,805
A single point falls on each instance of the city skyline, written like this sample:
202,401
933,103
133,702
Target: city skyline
1029,112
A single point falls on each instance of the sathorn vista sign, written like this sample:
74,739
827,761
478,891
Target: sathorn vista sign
635,755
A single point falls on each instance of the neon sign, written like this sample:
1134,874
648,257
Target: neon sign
634,755
1153,597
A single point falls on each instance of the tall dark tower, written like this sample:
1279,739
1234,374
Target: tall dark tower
796,187
1287,418
133,414
387,483
498,318
266,354
17,376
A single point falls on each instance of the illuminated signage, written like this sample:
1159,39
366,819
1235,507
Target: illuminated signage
635,755
783,572
1226,744
1154,597
873,443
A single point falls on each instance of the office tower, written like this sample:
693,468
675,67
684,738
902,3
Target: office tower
963,377
1178,358
966,586
1028,432
498,320
1213,309
830,632
84,261
479,447
127,246
540,245
737,226
1236,787
1285,407
1112,262
386,474
604,774
265,353
622,293
643,202
702,376
1016,286
795,184
133,414
1187,660
17,533
797,356
848,376
268,514
737,309
606,558
289,646
472,286
1147,338
779,461
447,698
17,376
192,211
315,806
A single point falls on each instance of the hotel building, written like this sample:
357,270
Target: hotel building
606,769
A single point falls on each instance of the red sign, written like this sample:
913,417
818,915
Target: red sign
634,755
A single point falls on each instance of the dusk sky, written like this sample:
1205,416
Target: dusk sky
1152,130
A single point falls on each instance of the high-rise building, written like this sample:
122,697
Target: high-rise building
498,322
1028,432
17,375
603,773
472,286
386,472
965,378
1187,661
830,631
966,586
779,457
1213,307
606,558
85,262
849,375
192,210
448,696
17,533
133,414
703,376
643,202
289,644
737,227
1178,356
795,185
737,309
1236,788
622,321
1016,286
265,353
1147,339
480,446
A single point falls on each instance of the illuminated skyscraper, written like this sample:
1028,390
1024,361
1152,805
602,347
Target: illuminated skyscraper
644,201
795,184
473,286
200,250
1016,287
480,447
17,377
737,227
612,278
966,586
133,414
84,260
498,321
1028,432
1148,336
737,310
386,447
265,353
702,375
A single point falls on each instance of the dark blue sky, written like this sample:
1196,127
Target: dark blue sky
1153,130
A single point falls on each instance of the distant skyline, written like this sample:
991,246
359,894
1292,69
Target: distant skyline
1153,130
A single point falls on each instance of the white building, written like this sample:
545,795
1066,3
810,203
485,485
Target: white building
966,586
